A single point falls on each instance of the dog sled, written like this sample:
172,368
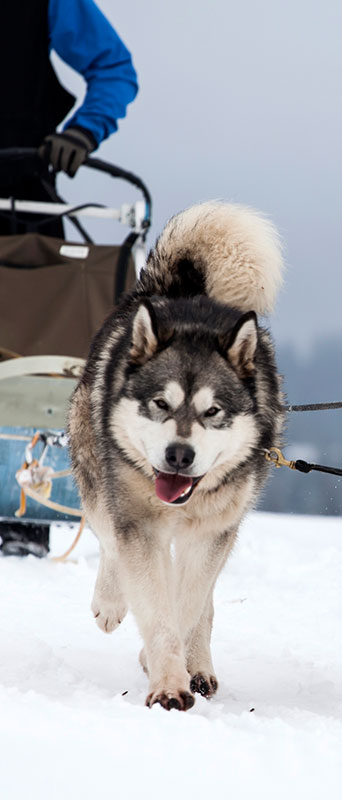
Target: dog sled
54,295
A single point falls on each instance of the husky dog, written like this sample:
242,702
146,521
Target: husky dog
168,428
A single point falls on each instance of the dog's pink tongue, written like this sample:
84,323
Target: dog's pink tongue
169,487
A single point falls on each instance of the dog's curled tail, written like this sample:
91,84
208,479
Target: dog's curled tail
226,251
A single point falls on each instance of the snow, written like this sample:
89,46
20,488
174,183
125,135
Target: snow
73,722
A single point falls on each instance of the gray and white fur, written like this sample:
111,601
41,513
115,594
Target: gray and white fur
179,399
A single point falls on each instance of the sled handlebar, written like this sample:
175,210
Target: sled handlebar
92,163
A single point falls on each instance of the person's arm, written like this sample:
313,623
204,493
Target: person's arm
84,39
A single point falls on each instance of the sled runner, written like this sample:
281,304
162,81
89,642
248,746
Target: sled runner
54,295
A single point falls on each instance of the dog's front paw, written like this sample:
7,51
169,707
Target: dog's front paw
108,615
182,700
204,684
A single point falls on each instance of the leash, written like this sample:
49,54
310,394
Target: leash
314,407
276,457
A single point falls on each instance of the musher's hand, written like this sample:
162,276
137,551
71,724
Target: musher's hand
66,151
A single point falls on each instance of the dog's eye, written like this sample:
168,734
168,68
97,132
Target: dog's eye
160,403
212,411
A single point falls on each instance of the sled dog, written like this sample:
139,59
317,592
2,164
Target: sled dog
168,428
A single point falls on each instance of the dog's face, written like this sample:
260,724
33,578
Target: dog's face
188,405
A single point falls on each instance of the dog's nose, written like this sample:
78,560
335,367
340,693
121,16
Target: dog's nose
179,456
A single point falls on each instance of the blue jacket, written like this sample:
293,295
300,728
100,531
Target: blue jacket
84,39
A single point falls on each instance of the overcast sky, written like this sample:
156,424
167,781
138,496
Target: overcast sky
239,101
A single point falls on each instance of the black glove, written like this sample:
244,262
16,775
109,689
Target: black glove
67,150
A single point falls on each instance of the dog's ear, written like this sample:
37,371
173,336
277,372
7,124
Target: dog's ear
240,344
144,340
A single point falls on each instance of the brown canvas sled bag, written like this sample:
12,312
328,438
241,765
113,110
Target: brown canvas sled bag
55,295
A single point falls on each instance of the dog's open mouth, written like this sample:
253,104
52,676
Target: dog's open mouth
171,487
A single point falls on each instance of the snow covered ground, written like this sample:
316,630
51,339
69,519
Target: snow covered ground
72,717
